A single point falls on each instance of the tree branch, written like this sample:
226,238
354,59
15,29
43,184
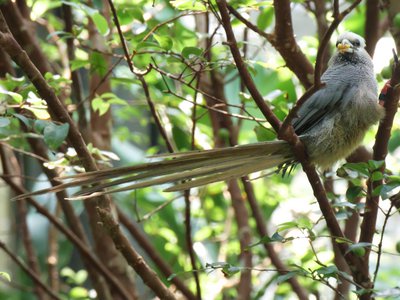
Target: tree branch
137,262
284,41
368,225
244,73
26,269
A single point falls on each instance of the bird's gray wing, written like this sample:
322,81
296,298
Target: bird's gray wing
324,103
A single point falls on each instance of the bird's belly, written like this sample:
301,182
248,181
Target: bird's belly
337,137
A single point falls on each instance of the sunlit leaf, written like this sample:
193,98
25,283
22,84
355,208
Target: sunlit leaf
188,52
265,18
100,105
14,96
78,292
101,23
5,276
78,63
188,4
164,41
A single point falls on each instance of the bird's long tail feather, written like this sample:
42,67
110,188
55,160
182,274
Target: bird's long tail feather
187,169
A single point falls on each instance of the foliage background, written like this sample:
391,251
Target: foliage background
260,239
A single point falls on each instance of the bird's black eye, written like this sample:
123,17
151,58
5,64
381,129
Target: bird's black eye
356,43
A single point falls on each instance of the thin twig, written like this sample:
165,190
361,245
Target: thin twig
161,264
27,270
137,262
244,73
88,253
379,251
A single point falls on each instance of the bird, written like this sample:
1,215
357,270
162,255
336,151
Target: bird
331,124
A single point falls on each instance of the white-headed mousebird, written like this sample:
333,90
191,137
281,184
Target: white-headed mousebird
331,123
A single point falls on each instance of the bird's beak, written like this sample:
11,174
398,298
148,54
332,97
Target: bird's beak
345,47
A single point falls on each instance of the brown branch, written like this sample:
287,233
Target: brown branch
214,85
73,221
85,251
52,256
160,127
75,77
58,112
218,106
9,162
23,30
287,133
153,254
19,56
28,271
244,73
296,61
284,41
368,225
372,25
137,262
244,234
269,247
100,136
189,242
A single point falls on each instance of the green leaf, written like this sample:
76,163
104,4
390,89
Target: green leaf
172,276
188,52
326,272
81,276
164,41
230,270
376,164
396,20
5,276
78,292
100,22
101,106
67,272
361,292
361,168
78,63
55,135
218,264
287,225
98,64
265,18
4,122
188,5
353,192
40,125
23,119
127,15
285,277
387,190
354,247
378,190
264,134
376,176
276,237
14,96
147,45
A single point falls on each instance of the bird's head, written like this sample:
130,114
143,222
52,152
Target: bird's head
349,42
